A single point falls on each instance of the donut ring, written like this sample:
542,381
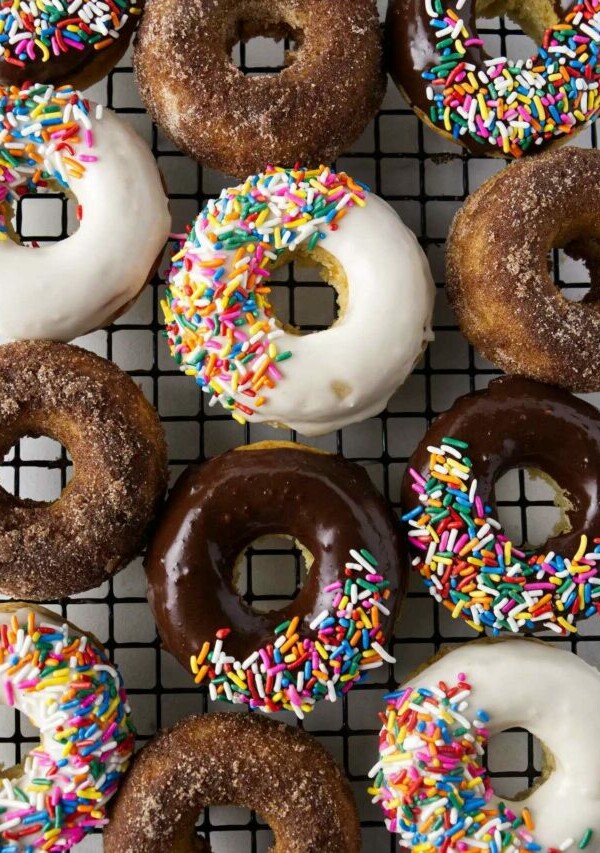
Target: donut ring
120,469
451,708
466,560
311,112
64,42
496,106
82,283
323,642
497,276
221,326
65,684
234,759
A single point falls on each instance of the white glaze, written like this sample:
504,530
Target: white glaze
556,696
64,290
374,346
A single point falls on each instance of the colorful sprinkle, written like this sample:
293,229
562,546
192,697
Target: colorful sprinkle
41,30
431,781
307,662
514,105
73,694
476,572
219,321
45,137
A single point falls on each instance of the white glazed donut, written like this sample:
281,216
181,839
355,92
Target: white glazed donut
66,289
70,691
492,686
221,326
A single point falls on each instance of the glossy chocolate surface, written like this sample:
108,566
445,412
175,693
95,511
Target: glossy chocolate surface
520,423
217,510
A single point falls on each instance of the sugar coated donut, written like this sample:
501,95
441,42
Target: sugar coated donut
497,271
432,780
466,559
244,760
333,632
57,41
221,326
114,436
65,684
495,105
55,140
313,110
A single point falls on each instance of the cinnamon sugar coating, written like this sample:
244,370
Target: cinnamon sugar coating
114,436
498,275
233,759
311,112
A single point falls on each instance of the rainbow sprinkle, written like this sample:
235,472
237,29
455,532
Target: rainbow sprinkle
72,693
45,137
475,571
432,784
301,667
38,30
220,323
513,106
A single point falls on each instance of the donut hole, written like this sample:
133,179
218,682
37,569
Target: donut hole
532,16
265,46
271,572
41,218
575,270
230,830
517,763
532,507
310,291
36,469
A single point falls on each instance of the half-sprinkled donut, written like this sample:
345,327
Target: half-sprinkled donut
333,631
54,140
467,561
495,105
221,326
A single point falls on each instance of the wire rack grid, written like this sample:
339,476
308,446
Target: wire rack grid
426,179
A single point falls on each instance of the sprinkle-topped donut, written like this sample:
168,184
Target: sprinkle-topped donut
55,140
494,105
60,41
432,779
221,325
63,681
335,630
467,561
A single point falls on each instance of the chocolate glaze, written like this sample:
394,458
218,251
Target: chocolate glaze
411,46
517,422
217,510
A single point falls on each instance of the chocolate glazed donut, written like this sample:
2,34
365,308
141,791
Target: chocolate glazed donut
217,510
515,422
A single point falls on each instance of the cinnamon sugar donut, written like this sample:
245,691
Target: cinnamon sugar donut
497,269
50,550
310,112
241,760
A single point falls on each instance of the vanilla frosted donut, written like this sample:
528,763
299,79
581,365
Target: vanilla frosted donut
221,326
54,139
432,750
65,684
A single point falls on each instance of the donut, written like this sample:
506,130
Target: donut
432,779
497,271
234,759
116,442
57,41
221,326
467,561
333,632
64,682
311,112
82,283
495,105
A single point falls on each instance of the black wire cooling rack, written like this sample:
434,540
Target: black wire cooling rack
426,180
